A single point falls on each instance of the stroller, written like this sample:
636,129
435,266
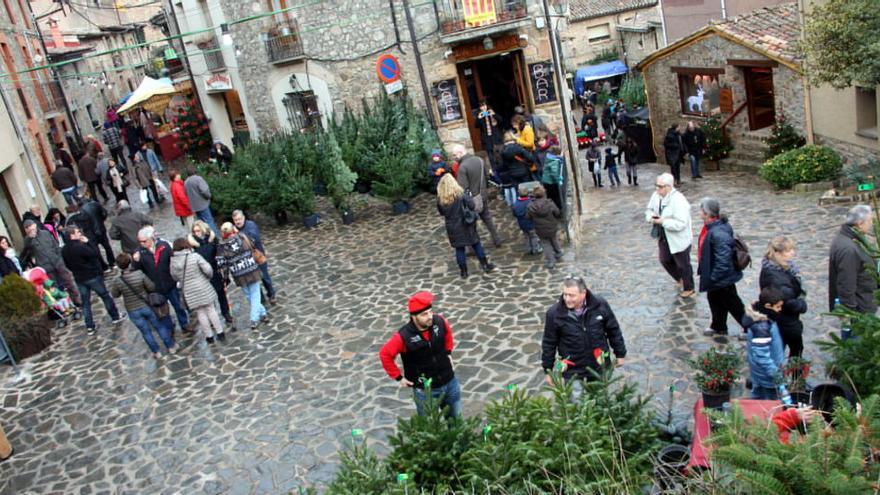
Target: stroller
61,308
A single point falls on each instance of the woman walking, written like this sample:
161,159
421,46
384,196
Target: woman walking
193,276
235,256
778,270
451,203
674,148
134,287
117,181
181,202
203,240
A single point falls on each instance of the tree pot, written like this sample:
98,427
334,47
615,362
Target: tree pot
28,337
311,220
713,399
800,397
281,218
5,446
320,188
400,207
362,187
670,465
347,217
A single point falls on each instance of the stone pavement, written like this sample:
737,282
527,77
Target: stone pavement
266,411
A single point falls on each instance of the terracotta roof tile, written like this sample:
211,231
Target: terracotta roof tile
588,9
775,30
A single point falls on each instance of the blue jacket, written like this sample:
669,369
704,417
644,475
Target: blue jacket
520,208
433,167
763,347
717,269
150,157
251,230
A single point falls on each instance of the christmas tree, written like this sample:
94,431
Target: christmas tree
717,145
783,137
193,135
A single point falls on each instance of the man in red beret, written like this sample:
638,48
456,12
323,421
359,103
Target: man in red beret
425,347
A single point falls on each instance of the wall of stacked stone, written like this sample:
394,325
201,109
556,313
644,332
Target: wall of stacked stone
713,52
851,153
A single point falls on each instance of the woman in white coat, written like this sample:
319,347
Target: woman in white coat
670,216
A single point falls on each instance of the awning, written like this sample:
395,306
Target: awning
152,94
596,72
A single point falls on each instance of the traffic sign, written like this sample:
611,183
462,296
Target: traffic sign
388,69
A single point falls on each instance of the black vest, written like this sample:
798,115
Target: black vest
426,358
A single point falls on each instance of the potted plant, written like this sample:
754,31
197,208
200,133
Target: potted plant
23,321
717,144
716,371
795,372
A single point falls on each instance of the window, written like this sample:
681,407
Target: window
866,112
302,110
24,103
9,13
596,34
699,93
90,114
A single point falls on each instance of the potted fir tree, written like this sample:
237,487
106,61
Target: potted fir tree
716,371
718,146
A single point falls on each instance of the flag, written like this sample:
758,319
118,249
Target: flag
479,12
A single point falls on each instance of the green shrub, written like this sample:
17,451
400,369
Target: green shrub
632,91
338,177
18,299
807,164
783,137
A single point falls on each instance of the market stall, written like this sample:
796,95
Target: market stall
155,96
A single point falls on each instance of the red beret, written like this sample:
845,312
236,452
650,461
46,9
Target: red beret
420,301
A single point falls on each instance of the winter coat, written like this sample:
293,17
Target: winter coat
152,160
108,177
673,147
516,162
472,175
485,125
83,260
459,233
125,227
207,246
198,192
179,199
158,271
552,173
87,168
585,121
43,249
526,138
84,222
252,231
773,275
98,215
632,154
194,280
520,209
764,347
235,257
579,338
694,141
224,156
143,176
851,273
545,215
676,216
7,266
134,294
63,178
716,268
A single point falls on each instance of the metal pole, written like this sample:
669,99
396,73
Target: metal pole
418,56
574,164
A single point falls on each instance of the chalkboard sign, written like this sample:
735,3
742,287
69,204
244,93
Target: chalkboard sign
543,88
448,103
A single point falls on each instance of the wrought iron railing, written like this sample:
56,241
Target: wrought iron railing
213,56
456,15
284,43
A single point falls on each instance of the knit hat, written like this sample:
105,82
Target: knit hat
29,222
419,302
436,153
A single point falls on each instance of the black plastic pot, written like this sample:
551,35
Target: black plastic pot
312,220
400,207
281,218
671,463
715,399
362,187
320,188
347,217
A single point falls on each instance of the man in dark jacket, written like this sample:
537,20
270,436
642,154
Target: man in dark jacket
516,162
126,225
425,346
490,133
41,249
84,260
64,181
674,149
221,155
252,230
154,259
851,270
472,177
581,330
717,269
694,141
98,215
88,173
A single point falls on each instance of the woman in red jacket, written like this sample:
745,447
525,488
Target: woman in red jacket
180,201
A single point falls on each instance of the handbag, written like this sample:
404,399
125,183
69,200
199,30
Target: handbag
154,300
259,257
183,284
160,186
468,216
478,198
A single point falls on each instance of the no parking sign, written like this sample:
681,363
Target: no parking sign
388,70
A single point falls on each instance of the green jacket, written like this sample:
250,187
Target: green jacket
552,170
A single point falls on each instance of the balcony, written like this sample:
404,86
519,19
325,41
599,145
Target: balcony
52,101
284,44
462,20
213,56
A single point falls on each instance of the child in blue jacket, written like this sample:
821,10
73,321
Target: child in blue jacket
437,167
764,344
520,208
611,166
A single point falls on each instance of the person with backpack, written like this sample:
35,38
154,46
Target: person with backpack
718,267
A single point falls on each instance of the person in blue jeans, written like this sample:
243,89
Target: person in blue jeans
84,261
425,347
199,195
764,344
154,259
134,288
250,229
235,258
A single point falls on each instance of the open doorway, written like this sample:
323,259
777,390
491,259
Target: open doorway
500,80
759,91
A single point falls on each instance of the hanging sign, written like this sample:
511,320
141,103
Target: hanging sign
217,83
543,88
388,69
448,103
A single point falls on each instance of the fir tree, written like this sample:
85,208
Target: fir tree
783,137
717,144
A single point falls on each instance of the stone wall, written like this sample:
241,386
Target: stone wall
579,51
851,153
713,52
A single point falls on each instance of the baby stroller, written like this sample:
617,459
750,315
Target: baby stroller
61,308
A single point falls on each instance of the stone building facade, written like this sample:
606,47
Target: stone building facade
630,29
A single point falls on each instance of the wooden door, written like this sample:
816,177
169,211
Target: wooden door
471,95
762,102
519,74
9,216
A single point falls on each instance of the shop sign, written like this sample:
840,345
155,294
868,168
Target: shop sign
543,88
218,83
448,103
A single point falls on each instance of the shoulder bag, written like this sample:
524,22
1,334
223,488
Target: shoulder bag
154,300
259,256
183,284
468,216
478,199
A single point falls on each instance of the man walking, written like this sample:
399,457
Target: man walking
582,330
694,141
199,195
717,270
98,215
670,216
851,270
113,140
64,181
84,260
425,347
250,229
154,259
88,173
126,225
472,176
41,249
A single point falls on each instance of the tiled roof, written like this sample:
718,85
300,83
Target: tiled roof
588,9
774,30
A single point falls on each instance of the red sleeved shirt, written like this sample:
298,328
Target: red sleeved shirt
785,422
395,345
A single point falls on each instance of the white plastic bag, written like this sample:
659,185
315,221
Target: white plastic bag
145,199
160,186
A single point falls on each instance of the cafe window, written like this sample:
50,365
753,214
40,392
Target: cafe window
602,32
699,93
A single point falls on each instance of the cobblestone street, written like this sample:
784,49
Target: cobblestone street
266,411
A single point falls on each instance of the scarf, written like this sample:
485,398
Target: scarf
116,177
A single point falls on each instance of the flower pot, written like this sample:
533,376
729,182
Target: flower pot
362,187
320,188
400,207
311,220
5,446
713,399
281,218
670,465
347,217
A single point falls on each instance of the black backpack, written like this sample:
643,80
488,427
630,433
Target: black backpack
741,257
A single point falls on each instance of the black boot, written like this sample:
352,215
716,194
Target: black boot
464,272
485,265
595,181
629,179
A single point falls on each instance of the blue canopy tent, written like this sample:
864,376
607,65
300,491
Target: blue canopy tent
596,72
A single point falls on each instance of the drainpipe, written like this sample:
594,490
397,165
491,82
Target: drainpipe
808,96
723,10
663,23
